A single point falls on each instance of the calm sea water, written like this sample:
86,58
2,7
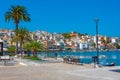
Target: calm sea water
85,57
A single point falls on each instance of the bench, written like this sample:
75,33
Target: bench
72,60
5,59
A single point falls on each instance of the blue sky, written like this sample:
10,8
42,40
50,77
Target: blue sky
67,15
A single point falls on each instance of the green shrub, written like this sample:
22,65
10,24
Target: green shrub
31,57
68,49
34,58
118,46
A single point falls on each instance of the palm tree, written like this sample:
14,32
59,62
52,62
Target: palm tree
36,46
27,46
17,13
23,36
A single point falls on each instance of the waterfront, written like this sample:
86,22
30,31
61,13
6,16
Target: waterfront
85,57
53,71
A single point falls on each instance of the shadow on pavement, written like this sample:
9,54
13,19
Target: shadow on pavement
116,70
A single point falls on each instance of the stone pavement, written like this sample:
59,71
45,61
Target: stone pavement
57,71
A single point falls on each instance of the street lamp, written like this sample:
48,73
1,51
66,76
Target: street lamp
47,46
96,21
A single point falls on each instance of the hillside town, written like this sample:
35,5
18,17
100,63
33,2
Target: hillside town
66,41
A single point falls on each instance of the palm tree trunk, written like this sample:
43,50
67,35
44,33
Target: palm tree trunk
28,52
16,52
21,51
35,53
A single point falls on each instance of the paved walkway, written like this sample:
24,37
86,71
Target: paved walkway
52,70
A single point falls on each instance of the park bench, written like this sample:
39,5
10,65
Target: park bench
72,60
5,59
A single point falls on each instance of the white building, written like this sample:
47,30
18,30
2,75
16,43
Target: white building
114,40
83,46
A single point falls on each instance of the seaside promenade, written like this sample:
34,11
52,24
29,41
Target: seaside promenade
51,69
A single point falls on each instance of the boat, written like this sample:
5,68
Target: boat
109,64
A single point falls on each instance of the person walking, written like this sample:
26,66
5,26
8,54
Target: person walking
56,55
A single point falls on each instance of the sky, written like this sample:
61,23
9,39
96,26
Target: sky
67,15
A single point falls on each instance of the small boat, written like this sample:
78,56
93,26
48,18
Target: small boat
111,64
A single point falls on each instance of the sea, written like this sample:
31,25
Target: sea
105,57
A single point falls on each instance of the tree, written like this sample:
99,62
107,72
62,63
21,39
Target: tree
118,46
94,44
66,35
17,13
27,47
23,36
11,49
36,46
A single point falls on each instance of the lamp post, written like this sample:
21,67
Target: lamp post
47,47
96,21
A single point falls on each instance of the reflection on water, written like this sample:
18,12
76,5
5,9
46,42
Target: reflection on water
114,57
